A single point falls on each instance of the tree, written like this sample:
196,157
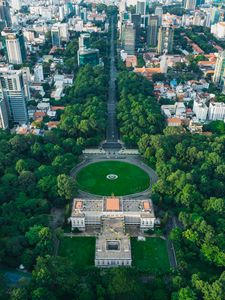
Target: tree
66,186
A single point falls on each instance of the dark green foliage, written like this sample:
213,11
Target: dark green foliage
138,110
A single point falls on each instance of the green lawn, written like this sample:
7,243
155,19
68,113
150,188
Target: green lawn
131,179
150,255
80,250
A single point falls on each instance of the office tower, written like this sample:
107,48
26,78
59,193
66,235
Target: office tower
61,13
5,13
38,73
55,35
85,54
159,13
15,46
165,40
83,14
16,4
128,38
4,121
136,20
13,92
152,31
214,15
84,40
219,73
190,4
142,7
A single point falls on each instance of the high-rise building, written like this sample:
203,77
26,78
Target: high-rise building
14,45
84,40
85,54
16,4
189,4
128,38
142,7
4,121
55,35
38,73
159,13
216,111
165,40
152,31
219,73
5,13
214,15
13,92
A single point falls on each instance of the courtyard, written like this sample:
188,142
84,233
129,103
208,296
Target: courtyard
112,178
150,255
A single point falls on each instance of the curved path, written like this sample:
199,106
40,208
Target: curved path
90,160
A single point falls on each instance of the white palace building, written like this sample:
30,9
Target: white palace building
90,212
111,215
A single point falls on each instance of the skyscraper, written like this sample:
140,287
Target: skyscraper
85,54
13,93
55,35
189,4
5,13
128,38
159,13
4,121
14,45
165,40
152,31
219,73
142,7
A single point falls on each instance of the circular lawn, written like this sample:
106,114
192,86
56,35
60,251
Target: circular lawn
108,178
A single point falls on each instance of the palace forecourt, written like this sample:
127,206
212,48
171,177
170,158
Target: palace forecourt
111,215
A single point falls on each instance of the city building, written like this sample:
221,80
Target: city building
16,4
159,13
216,111
165,40
13,91
55,35
4,121
5,13
218,77
128,38
218,30
38,73
15,46
85,54
152,31
189,4
200,109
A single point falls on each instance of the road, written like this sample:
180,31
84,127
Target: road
112,134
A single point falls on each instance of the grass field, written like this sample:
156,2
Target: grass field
131,179
79,250
150,255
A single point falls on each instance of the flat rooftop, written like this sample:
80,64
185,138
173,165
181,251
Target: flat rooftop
112,204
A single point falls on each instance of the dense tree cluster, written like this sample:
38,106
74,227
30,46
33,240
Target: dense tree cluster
86,115
138,110
192,185
34,177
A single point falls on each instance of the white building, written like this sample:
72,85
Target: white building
90,212
38,73
13,91
4,122
201,110
216,111
16,4
218,30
